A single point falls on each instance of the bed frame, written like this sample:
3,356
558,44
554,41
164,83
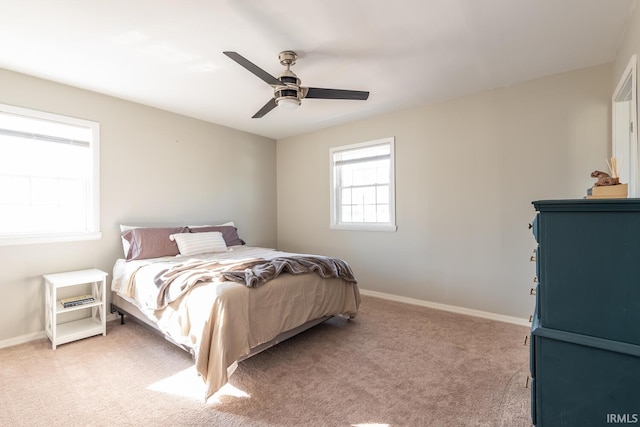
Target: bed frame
123,307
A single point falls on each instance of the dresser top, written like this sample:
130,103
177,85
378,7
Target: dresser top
587,205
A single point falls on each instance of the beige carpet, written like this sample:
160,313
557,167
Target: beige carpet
395,365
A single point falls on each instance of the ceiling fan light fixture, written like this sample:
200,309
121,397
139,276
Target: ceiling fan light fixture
287,97
288,102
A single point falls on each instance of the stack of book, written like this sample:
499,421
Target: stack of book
618,191
79,300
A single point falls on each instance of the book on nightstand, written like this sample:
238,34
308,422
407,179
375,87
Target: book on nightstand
78,300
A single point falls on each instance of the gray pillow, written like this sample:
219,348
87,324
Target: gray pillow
152,242
229,233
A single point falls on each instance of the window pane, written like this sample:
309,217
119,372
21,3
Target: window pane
358,195
369,195
359,177
346,196
48,183
346,214
346,174
13,216
44,191
362,185
382,213
370,175
382,193
357,213
14,190
369,213
383,174
72,192
71,217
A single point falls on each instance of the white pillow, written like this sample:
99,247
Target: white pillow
199,243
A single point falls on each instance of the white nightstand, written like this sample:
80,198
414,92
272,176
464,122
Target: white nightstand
60,333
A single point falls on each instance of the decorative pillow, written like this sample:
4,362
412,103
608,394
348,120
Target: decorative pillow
148,242
229,233
200,243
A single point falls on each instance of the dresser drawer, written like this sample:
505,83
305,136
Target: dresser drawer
588,273
582,381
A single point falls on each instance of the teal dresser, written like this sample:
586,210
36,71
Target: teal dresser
585,336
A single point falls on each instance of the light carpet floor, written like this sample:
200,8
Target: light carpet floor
394,365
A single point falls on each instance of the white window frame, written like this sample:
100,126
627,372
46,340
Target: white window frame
92,231
335,222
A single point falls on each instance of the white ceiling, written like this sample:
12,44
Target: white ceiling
407,53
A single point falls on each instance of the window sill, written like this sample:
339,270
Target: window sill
48,238
364,227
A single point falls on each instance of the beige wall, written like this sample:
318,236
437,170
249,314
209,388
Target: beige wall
630,45
466,173
156,168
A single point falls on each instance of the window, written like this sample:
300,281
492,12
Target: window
362,186
49,177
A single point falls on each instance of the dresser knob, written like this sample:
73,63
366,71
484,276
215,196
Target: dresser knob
535,279
533,258
532,291
526,384
530,226
526,340
531,318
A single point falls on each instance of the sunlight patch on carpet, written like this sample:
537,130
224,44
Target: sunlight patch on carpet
187,383
227,390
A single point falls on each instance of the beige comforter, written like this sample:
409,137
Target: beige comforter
221,321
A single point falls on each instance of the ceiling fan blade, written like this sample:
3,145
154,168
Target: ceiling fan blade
316,92
270,105
253,68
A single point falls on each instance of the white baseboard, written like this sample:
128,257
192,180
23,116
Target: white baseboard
37,335
22,339
445,307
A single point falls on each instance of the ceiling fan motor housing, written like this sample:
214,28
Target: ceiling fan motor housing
290,90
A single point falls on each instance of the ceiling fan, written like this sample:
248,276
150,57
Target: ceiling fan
286,89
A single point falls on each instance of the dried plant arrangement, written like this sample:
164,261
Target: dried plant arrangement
604,178
613,167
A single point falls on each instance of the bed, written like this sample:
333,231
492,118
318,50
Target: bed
209,293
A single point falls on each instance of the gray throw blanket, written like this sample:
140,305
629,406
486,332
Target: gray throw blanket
175,281
260,272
